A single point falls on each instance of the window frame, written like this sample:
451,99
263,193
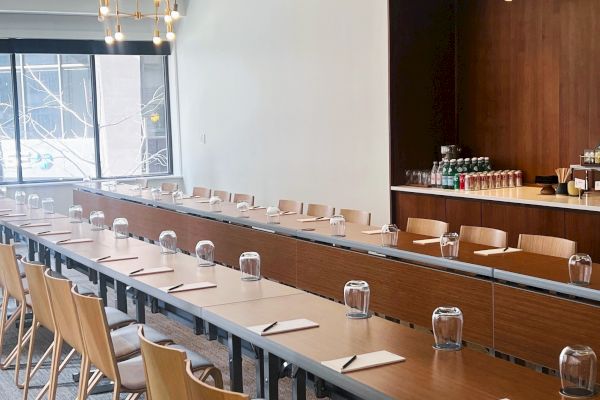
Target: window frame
96,131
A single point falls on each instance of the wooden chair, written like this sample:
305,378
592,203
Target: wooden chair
291,206
165,373
427,227
201,192
201,390
356,216
169,187
319,210
222,194
13,285
239,197
548,245
482,235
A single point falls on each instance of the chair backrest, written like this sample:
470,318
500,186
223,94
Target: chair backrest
168,186
201,191
11,276
427,227
222,194
200,390
64,312
482,235
40,301
239,197
164,368
291,206
319,210
356,216
548,245
96,335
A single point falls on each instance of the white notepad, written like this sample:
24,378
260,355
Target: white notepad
203,201
288,213
33,225
373,232
312,219
122,258
74,241
13,215
501,250
427,241
189,286
364,361
53,233
151,271
284,326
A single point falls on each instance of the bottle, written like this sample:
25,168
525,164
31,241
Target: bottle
467,165
438,175
450,174
459,170
445,174
433,174
480,164
488,165
474,166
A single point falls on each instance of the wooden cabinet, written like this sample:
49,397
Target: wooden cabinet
462,212
417,205
584,228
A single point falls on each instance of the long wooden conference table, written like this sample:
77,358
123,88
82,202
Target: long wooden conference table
234,305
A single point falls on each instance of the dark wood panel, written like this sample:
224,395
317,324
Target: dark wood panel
516,219
536,327
398,290
462,212
582,227
416,205
422,105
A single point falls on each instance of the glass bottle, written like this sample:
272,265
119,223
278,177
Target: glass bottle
450,175
481,165
438,174
488,165
434,174
467,165
459,170
474,165
445,174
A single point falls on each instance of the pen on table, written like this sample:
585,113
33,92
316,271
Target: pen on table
506,248
174,287
269,327
102,258
136,271
42,232
350,361
63,241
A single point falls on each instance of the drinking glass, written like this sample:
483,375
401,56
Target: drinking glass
20,197
76,214
338,225
205,253
2,192
156,193
250,266
97,220
137,190
121,228
580,269
86,180
408,176
389,235
177,197
449,243
273,215
112,186
48,205
447,325
214,204
577,371
356,298
33,201
243,208
168,242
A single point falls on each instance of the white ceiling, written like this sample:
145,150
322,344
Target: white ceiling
74,7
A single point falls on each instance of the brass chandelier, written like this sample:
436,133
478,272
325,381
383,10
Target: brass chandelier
169,16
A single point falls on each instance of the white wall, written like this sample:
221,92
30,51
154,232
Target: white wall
292,96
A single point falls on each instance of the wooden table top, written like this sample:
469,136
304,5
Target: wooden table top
426,373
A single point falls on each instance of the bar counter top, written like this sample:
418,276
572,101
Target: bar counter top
529,195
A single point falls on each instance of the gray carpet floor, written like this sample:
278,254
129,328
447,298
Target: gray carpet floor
181,334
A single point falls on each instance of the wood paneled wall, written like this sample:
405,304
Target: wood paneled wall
528,87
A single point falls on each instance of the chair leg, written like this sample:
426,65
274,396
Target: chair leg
94,379
20,345
28,374
84,373
55,369
54,373
133,396
116,392
215,373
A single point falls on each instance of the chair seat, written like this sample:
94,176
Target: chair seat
126,341
117,319
198,362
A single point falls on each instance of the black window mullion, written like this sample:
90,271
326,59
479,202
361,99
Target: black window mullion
17,123
95,116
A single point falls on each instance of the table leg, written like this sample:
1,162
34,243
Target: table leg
299,384
31,248
140,306
121,296
210,331
102,288
58,262
48,258
198,326
271,372
234,343
260,372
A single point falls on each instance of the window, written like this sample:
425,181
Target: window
132,115
83,115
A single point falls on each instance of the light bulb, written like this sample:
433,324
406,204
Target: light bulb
118,34
170,36
104,10
168,17
156,39
109,39
175,13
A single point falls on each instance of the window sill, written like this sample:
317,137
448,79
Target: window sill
64,183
